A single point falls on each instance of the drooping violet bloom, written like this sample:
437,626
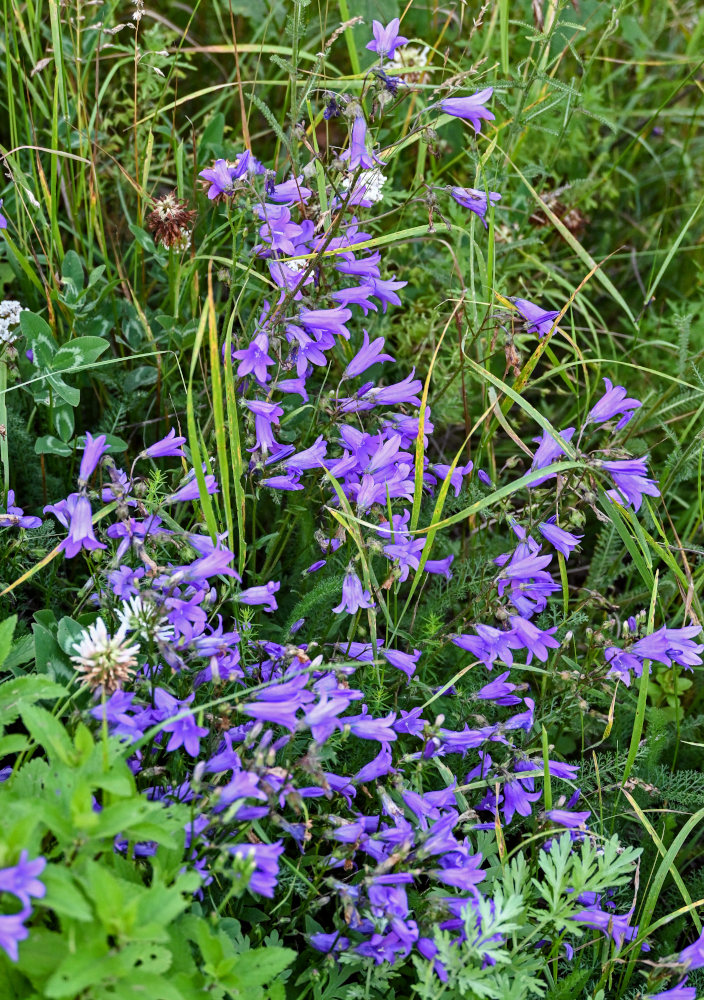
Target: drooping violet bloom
476,201
265,416
613,403
548,451
169,447
680,992
289,192
693,955
266,859
669,645
3,220
15,517
401,392
538,320
378,767
255,359
386,39
357,154
328,943
470,108
366,727
406,662
441,567
75,512
310,458
565,817
356,295
488,645
369,354
615,926
498,691
631,479
385,291
190,491
12,929
22,879
326,321
563,541
260,595
93,451
622,664
354,596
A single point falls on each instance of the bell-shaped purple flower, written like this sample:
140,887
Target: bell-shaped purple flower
255,359
354,596
475,200
538,320
470,108
613,403
386,39
358,155
3,220
563,541
93,451
631,480
260,595
168,447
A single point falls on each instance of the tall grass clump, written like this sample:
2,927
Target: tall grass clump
351,385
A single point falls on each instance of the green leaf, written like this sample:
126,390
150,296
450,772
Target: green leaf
46,730
79,352
7,630
63,895
64,422
49,445
261,965
24,691
39,338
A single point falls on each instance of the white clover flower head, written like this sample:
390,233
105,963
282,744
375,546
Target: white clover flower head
370,183
10,310
105,661
143,618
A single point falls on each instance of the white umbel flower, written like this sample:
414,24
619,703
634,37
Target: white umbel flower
10,310
105,661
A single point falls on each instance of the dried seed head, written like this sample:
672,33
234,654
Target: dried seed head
171,222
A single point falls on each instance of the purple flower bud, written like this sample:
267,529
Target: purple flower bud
167,447
93,451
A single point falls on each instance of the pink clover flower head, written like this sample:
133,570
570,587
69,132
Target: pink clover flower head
386,39
471,108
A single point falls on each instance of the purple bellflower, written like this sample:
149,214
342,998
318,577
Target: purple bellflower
538,320
260,595
476,201
386,39
612,404
357,154
471,108
369,354
354,596
93,451
563,541
255,359
3,220
631,480
168,447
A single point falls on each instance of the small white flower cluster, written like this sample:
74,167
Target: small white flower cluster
369,185
10,311
105,661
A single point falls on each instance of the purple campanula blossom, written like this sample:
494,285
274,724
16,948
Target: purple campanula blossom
314,567
631,480
488,645
354,596
548,451
369,354
679,992
265,416
385,291
22,879
310,458
613,403
328,943
693,955
400,392
93,451
190,491
357,295
669,645
326,321
76,514
565,817
377,768
563,541
221,178
538,320
169,447
288,483
3,221
498,691
615,926
357,154
266,860
363,267
406,662
255,359
622,664
471,107
260,595
366,727
289,192
184,731
528,636
441,567
475,200
386,39
15,517
12,929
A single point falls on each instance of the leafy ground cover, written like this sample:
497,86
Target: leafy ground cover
351,393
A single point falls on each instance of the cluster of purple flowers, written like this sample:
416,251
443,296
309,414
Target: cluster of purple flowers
161,585
21,881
